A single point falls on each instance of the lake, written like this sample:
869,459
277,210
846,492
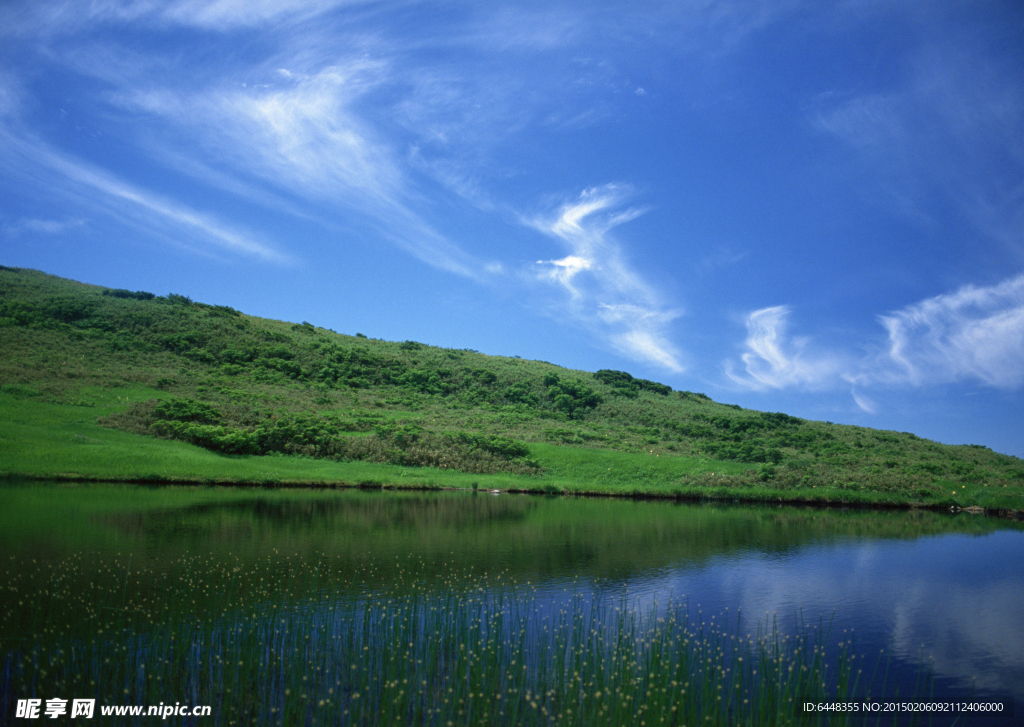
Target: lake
384,607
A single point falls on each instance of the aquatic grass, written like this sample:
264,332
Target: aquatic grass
281,646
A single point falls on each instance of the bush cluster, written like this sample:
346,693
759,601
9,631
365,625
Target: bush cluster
260,386
571,396
330,437
624,384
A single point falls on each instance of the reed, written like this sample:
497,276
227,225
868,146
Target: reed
463,649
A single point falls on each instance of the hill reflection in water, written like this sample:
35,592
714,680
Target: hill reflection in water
947,587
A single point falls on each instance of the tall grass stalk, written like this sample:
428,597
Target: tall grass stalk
461,652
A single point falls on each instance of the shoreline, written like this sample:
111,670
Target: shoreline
772,498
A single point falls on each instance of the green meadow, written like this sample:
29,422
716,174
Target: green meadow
101,384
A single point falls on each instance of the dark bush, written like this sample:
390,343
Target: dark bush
209,436
571,396
238,356
67,309
187,410
614,378
179,342
121,293
625,384
777,418
520,393
483,376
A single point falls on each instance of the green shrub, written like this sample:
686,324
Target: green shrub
520,393
20,391
187,410
121,293
572,396
210,436
67,309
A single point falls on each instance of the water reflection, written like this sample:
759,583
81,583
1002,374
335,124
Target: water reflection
948,587
956,600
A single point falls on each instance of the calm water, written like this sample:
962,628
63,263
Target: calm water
905,587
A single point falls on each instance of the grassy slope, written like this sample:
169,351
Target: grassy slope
72,356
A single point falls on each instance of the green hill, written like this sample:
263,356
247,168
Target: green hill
115,384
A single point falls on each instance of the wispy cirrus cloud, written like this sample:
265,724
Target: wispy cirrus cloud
604,292
226,14
301,123
943,136
43,226
298,133
39,164
973,334
70,17
292,129
775,360
862,121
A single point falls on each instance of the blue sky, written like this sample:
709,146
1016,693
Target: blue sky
815,208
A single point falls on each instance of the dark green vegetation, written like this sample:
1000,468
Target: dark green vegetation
115,384
280,607
476,652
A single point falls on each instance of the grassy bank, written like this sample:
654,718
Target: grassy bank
103,384
48,441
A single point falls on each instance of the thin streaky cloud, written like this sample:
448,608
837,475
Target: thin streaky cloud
74,17
43,226
300,136
584,226
973,333
10,95
776,360
643,334
563,271
866,405
863,121
229,14
605,294
944,134
36,160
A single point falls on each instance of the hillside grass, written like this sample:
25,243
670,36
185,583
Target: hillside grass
126,385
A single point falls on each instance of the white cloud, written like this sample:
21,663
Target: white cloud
643,336
868,406
10,95
295,126
864,120
226,14
774,360
564,270
605,293
942,137
973,333
301,136
74,16
39,164
584,225
46,227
